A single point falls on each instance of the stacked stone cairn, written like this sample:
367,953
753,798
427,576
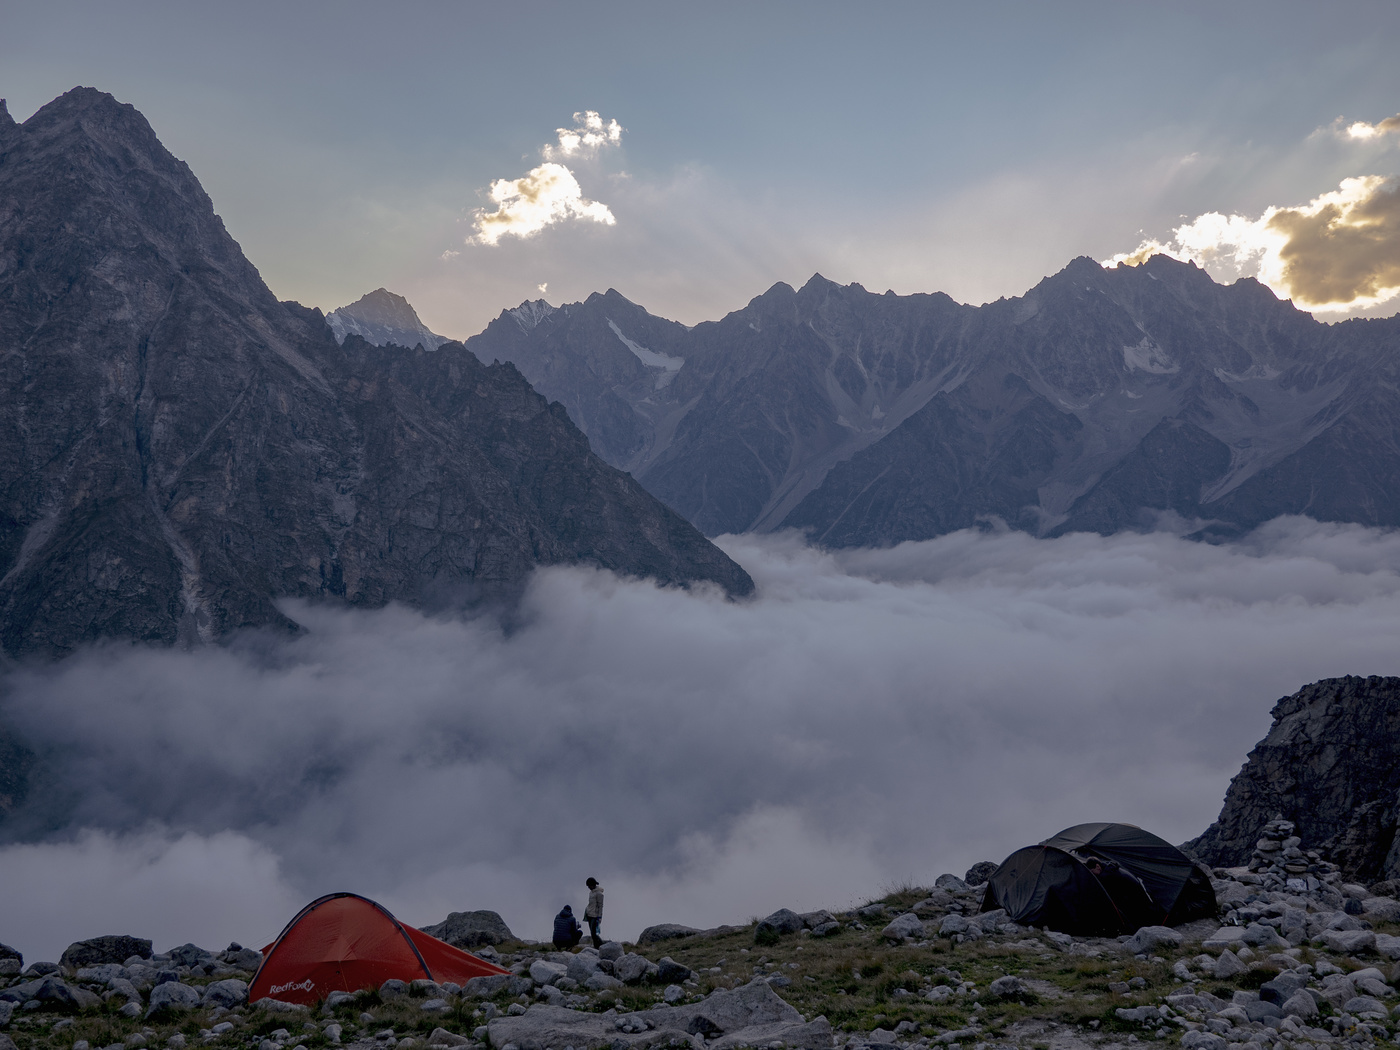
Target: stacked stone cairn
1282,864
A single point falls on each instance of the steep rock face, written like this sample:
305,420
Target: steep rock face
1330,764
180,449
382,318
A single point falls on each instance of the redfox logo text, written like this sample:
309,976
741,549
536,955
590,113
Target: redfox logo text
303,986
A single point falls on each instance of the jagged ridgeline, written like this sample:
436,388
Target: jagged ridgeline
178,449
1100,400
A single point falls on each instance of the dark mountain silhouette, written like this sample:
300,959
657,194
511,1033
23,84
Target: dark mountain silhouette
180,450
1101,400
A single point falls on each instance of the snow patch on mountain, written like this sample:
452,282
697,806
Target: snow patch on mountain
1147,356
669,365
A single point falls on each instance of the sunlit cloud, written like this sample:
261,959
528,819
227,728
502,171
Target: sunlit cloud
1361,130
547,195
1338,252
588,135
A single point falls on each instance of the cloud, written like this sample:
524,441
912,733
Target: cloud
525,206
1339,252
1361,130
550,193
871,717
588,135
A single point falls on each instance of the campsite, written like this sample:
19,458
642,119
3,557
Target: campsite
1254,955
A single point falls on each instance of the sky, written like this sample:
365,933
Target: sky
972,149
871,719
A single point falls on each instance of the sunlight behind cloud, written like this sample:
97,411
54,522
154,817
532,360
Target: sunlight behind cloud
1362,130
1338,252
525,206
550,193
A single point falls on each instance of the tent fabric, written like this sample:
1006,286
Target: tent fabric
1180,889
1045,886
1049,885
343,942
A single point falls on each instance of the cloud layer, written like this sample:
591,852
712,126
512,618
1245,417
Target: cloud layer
1340,251
871,717
1361,130
548,194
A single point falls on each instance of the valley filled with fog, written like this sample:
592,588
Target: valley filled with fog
868,718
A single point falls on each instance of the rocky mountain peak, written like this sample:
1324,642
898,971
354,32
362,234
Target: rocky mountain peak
382,318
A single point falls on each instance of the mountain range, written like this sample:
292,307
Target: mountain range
179,451
1101,400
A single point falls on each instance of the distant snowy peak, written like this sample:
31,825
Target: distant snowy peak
383,318
531,312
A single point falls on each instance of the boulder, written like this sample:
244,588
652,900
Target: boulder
813,919
1225,937
1301,1005
953,924
785,920
1149,938
471,929
242,958
1008,987
611,951
631,968
1203,1041
393,988
172,996
1364,1004
7,1010
668,971
442,1037
905,926
665,931
582,966
1260,1009
979,873
435,1006
951,883
189,955
547,972
227,993
110,949
6,952
826,929
601,982
1347,942
485,987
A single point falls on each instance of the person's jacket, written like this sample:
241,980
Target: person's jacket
595,904
566,927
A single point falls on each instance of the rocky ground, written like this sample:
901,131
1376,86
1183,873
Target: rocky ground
1298,958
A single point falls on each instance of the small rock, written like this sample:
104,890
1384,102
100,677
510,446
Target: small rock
674,993
435,1006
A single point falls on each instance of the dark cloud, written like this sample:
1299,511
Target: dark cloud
1345,246
872,716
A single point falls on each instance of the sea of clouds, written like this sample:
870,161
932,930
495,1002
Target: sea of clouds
870,718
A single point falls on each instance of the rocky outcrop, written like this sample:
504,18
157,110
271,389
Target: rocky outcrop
471,929
1330,764
179,450
99,950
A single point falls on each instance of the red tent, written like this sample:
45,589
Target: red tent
343,942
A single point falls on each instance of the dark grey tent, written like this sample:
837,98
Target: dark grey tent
1046,886
1049,884
1176,884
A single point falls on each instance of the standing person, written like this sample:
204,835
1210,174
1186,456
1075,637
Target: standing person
593,914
